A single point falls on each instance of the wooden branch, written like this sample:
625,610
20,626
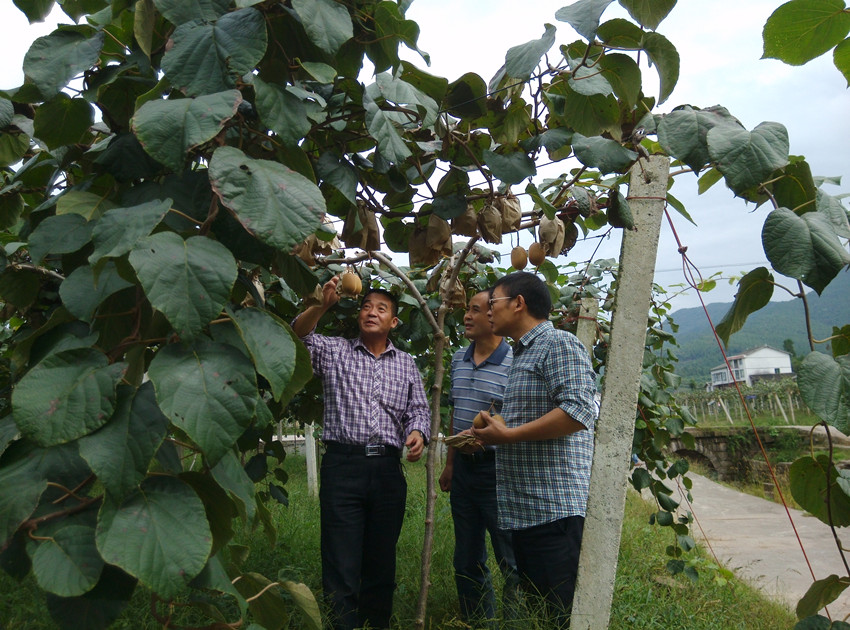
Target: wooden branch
384,260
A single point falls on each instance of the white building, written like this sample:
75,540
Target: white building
751,366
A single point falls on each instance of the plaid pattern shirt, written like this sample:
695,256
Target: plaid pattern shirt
476,387
368,399
543,481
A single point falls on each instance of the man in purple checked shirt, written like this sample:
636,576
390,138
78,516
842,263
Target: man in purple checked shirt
374,406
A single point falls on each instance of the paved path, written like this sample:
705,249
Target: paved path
753,537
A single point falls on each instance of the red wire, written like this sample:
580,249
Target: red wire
688,269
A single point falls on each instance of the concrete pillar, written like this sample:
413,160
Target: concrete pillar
615,428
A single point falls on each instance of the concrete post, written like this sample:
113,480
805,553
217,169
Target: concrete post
586,327
312,461
615,428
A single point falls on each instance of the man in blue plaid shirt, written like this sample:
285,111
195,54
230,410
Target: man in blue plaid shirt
374,407
546,446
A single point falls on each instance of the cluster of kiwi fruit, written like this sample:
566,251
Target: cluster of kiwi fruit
520,258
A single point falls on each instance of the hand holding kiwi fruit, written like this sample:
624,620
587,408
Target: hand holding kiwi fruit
479,422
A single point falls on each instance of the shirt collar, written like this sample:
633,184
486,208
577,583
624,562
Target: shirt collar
358,343
496,357
528,338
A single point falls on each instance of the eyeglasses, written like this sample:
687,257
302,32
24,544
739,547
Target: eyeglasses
491,300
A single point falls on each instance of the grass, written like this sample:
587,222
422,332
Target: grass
645,598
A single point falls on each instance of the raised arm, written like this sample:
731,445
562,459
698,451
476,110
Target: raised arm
307,321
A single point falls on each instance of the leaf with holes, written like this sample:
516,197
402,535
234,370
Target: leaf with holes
276,204
208,390
121,451
188,281
754,292
160,535
66,396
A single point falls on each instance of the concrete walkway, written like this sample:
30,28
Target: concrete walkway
754,538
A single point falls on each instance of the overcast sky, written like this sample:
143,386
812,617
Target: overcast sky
720,46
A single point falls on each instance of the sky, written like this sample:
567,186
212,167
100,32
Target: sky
720,46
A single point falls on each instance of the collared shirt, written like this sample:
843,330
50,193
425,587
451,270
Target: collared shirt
545,480
368,399
478,387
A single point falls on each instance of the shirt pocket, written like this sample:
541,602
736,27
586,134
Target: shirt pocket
394,396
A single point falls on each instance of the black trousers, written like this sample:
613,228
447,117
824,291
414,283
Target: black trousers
547,560
362,504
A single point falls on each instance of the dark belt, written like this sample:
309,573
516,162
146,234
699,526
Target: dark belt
367,450
479,457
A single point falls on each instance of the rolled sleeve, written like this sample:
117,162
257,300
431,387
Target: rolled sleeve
417,416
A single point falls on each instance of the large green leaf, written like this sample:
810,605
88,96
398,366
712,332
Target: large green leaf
99,607
87,204
583,16
754,292
511,168
208,390
24,476
179,11
187,281
339,173
682,133
63,120
589,115
804,247
745,158
603,153
273,346
466,97
841,59
59,234
7,112
209,57
169,129
230,475
800,30
666,59
120,229
327,23
35,10
649,13
282,111
120,452
81,293
624,76
808,477
220,509
589,81
68,563
834,210
279,206
53,60
820,594
68,395
13,147
405,95
796,189
520,61
159,534
383,128
824,384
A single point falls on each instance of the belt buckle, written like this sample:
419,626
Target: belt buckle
374,450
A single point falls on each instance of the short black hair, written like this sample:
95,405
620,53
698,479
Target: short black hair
393,299
532,289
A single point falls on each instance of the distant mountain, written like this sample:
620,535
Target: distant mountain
771,326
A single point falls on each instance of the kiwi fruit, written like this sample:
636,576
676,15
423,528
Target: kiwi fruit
536,254
519,258
478,421
350,284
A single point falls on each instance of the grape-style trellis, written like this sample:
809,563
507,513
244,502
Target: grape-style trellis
175,176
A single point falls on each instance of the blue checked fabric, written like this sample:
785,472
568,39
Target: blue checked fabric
368,400
542,481
474,387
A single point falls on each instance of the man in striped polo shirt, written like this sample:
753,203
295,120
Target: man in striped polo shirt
546,447
479,375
